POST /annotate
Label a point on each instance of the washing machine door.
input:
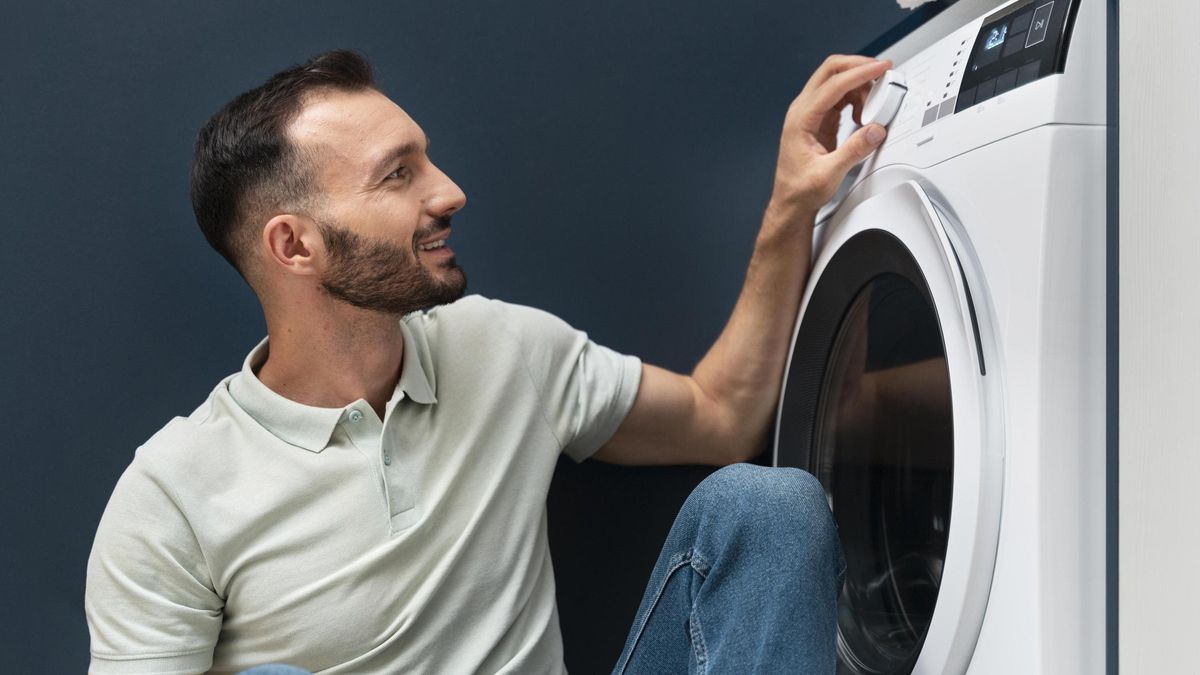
(888, 401)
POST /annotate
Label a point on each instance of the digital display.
(996, 37)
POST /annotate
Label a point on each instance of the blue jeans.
(747, 581)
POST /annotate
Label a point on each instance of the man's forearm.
(743, 369)
(742, 372)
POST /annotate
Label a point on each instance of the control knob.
(885, 98)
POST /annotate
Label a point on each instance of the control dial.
(885, 98)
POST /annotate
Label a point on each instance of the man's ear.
(293, 243)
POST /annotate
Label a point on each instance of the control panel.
(1021, 43)
(964, 77)
(1016, 45)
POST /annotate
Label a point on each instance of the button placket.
(390, 411)
(400, 491)
(365, 435)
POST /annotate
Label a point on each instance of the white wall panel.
(1159, 326)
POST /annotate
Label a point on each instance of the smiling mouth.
(432, 239)
(437, 249)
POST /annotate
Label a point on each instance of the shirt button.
(355, 416)
(387, 459)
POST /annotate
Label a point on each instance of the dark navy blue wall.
(616, 157)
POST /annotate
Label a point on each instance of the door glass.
(884, 450)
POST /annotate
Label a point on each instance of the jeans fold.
(747, 580)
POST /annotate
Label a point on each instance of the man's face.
(385, 208)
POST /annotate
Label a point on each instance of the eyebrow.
(397, 153)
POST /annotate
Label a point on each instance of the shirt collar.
(310, 427)
(417, 376)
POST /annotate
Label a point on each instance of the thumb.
(856, 148)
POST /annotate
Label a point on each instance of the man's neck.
(334, 358)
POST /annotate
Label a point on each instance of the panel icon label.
(1041, 24)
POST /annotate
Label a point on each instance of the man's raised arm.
(721, 413)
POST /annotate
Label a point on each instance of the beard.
(388, 278)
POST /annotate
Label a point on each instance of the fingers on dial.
(835, 64)
(827, 97)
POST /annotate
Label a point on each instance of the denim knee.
(764, 490)
(788, 503)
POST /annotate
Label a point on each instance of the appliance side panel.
(1072, 461)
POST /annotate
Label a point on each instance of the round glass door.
(868, 411)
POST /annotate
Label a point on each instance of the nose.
(446, 197)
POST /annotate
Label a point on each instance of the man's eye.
(400, 172)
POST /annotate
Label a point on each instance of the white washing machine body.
(989, 212)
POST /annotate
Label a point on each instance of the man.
(368, 493)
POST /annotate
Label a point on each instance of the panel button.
(1006, 82)
(947, 107)
(987, 89)
(1041, 24)
(966, 99)
(1015, 44)
(1029, 72)
(987, 57)
(1021, 23)
(931, 114)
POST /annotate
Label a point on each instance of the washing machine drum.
(888, 402)
(868, 411)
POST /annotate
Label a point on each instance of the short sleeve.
(586, 389)
(150, 604)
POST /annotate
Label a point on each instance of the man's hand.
(811, 166)
(722, 411)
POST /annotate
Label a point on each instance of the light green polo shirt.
(261, 530)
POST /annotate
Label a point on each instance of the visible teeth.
(430, 247)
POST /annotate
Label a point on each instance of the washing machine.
(946, 379)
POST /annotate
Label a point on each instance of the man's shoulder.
(184, 441)
(473, 307)
(484, 317)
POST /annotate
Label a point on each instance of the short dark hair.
(243, 162)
